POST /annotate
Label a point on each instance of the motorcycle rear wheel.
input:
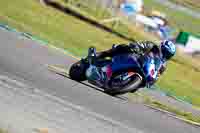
(77, 71)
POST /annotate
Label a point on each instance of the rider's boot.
(100, 75)
(93, 72)
(92, 55)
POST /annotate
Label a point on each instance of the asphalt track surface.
(27, 60)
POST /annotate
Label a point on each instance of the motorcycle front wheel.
(132, 86)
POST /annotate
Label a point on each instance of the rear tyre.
(77, 72)
(132, 86)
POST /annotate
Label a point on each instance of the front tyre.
(132, 86)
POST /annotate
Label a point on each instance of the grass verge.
(182, 76)
(64, 31)
(156, 104)
(3, 131)
(182, 79)
(179, 113)
(76, 36)
(97, 13)
(192, 4)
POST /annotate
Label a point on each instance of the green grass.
(181, 79)
(88, 6)
(145, 99)
(192, 4)
(179, 113)
(179, 20)
(76, 36)
(3, 131)
(63, 30)
(95, 12)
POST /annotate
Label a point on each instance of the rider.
(161, 55)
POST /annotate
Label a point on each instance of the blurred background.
(177, 20)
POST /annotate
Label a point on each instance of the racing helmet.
(168, 49)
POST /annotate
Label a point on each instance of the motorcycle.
(135, 76)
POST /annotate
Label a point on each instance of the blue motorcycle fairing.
(147, 68)
(150, 68)
(124, 62)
